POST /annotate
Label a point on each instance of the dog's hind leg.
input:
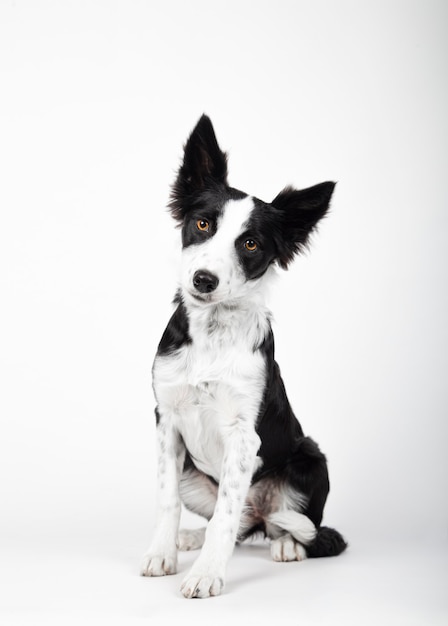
(191, 538)
(286, 548)
(289, 545)
(307, 477)
(296, 524)
(198, 493)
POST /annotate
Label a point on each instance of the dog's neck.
(238, 320)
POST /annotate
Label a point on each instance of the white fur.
(191, 539)
(297, 524)
(285, 548)
(211, 383)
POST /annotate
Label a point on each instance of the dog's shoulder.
(177, 332)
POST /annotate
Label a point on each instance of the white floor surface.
(71, 582)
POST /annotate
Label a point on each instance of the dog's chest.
(208, 387)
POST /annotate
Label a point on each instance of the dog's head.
(229, 238)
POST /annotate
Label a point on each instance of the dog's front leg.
(161, 558)
(206, 577)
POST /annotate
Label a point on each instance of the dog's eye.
(250, 245)
(203, 225)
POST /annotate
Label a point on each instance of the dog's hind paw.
(189, 539)
(157, 565)
(202, 586)
(285, 549)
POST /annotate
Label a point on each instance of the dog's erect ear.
(204, 164)
(300, 213)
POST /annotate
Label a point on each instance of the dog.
(229, 445)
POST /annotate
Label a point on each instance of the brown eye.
(203, 225)
(250, 245)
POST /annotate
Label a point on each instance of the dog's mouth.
(210, 299)
(203, 298)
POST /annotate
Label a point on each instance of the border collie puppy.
(229, 445)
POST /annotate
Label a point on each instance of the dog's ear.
(300, 212)
(204, 164)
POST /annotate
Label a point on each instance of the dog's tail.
(318, 542)
(328, 542)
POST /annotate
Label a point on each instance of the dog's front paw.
(202, 585)
(158, 565)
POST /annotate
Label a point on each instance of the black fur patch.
(176, 333)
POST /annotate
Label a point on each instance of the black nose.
(205, 282)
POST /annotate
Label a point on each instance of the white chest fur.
(215, 383)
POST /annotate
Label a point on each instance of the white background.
(96, 101)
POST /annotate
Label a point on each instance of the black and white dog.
(230, 447)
